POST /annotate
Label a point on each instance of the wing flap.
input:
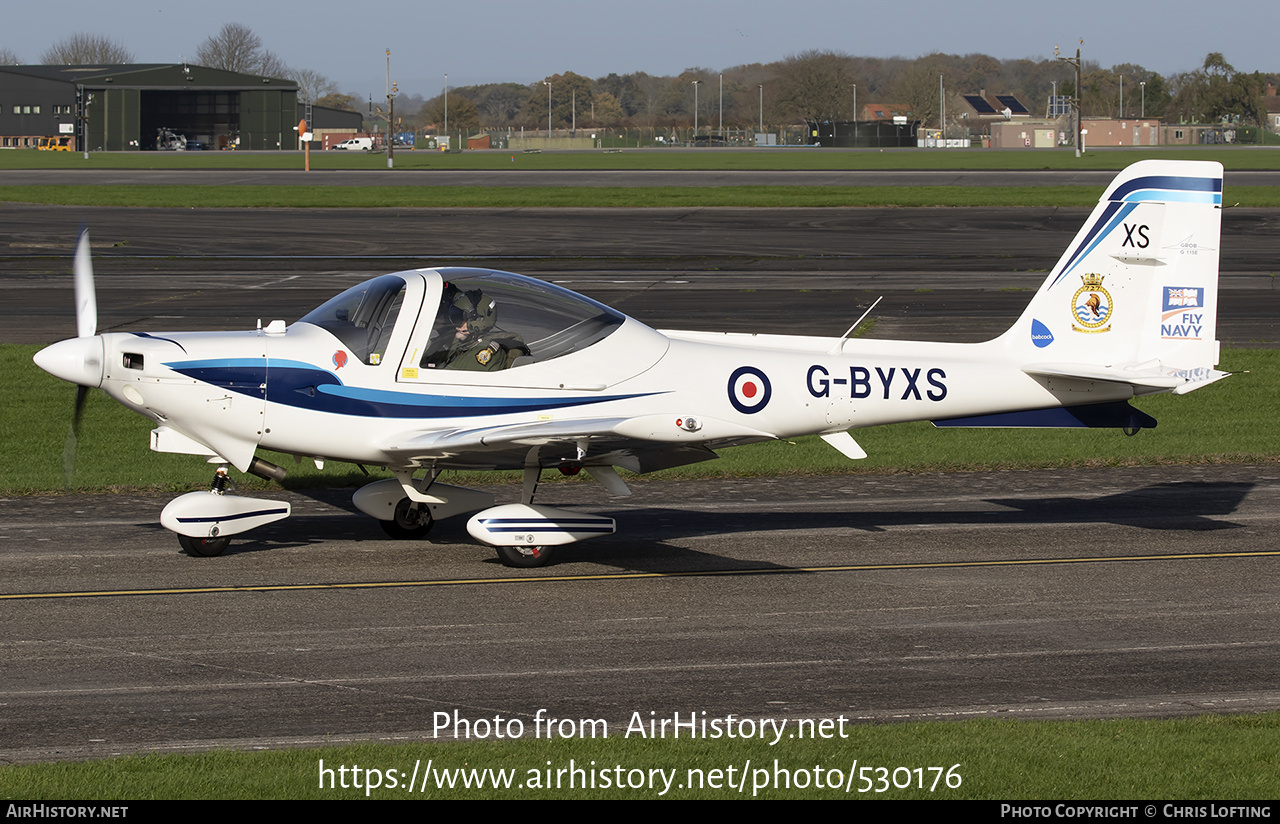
(655, 441)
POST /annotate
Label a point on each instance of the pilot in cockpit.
(466, 336)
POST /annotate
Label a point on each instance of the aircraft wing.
(642, 444)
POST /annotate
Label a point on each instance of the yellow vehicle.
(61, 143)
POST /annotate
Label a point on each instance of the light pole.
(1075, 100)
(762, 109)
(391, 119)
(720, 127)
(855, 115)
(446, 105)
(942, 118)
(1143, 85)
(1122, 97)
(696, 83)
(391, 112)
(548, 84)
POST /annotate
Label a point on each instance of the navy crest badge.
(1091, 305)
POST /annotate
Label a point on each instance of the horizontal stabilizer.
(1142, 380)
(1117, 415)
(1203, 378)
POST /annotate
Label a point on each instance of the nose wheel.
(409, 521)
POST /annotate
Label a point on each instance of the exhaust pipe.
(267, 470)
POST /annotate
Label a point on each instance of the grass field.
(1213, 757)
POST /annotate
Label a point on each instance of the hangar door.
(205, 116)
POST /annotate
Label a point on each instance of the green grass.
(509, 197)
(1212, 757)
(781, 159)
(1229, 422)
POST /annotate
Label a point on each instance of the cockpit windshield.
(490, 320)
(363, 316)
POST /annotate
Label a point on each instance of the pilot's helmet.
(474, 308)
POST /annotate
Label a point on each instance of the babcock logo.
(1040, 334)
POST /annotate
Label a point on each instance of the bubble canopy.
(549, 320)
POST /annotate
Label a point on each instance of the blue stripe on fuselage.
(301, 385)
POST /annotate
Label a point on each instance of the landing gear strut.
(210, 547)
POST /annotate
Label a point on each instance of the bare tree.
(83, 49)
(312, 85)
(8, 57)
(916, 86)
(270, 65)
(235, 48)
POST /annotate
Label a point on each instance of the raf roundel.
(749, 390)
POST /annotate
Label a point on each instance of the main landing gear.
(524, 557)
(409, 522)
(525, 534)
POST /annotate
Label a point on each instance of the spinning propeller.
(78, 360)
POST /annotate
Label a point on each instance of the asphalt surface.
(945, 274)
(1081, 594)
(1055, 594)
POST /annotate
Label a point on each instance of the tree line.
(820, 86)
(812, 86)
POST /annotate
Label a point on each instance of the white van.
(355, 144)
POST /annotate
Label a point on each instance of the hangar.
(128, 107)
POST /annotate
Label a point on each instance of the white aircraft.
(434, 369)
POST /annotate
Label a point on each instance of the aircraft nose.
(76, 360)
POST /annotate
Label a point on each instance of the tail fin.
(1135, 297)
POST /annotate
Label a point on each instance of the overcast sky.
(525, 41)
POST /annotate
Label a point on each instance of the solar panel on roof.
(1011, 103)
(979, 105)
